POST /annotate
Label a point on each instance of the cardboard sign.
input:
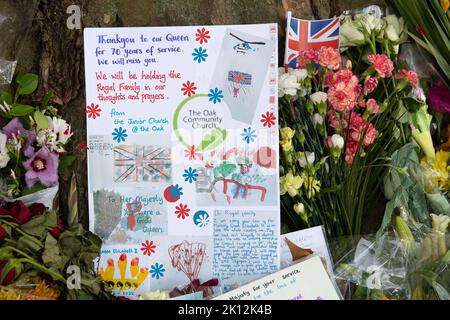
(305, 280)
(182, 129)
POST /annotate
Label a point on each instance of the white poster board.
(182, 131)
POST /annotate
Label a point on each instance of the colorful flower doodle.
(188, 88)
(201, 219)
(202, 35)
(157, 270)
(248, 135)
(190, 175)
(119, 134)
(215, 95)
(182, 211)
(93, 111)
(148, 247)
(199, 55)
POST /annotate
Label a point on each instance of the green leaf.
(41, 120)
(46, 99)
(38, 225)
(27, 83)
(5, 96)
(29, 243)
(37, 187)
(52, 255)
(20, 110)
(65, 162)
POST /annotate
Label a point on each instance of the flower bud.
(9, 271)
(299, 208)
(309, 106)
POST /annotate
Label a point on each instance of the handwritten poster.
(182, 129)
(305, 280)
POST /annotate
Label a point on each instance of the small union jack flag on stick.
(306, 34)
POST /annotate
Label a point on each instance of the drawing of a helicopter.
(244, 46)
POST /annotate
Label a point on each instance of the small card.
(305, 280)
(312, 238)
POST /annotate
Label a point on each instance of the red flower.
(268, 119)
(202, 35)
(148, 247)
(56, 230)
(9, 270)
(182, 211)
(409, 75)
(17, 210)
(188, 88)
(37, 208)
(192, 153)
(82, 146)
(93, 111)
(420, 29)
(381, 64)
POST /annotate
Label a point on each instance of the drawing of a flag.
(306, 34)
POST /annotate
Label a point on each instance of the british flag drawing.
(305, 34)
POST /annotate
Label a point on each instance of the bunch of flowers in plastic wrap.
(407, 261)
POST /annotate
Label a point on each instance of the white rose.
(301, 74)
(337, 141)
(287, 84)
(397, 23)
(317, 119)
(318, 97)
(306, 158)
(369, 22)
(350, 34)
(4, 156)
(391, 33)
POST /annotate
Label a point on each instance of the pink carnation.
(371, 135)
(306, 56)
(372, 106)
(329, 57)
(350, 151)
(343, 96)
(370, 83)
(409, 75)
(382, 64)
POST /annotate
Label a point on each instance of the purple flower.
(439, 98)
(43, 167)
(15, 127)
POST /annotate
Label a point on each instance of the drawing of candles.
(134, 269)
(122, 264)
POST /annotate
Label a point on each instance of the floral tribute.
(342, 115)
(33, 142)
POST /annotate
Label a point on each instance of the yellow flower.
(299, 208)
(311, 186)
(436, 172)
(445, 4)
(287, 133)
(290, 184)
(286, 145)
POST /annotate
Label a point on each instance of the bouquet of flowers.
(41, 258)
(341, 118)
(407, 261)
(33, 143)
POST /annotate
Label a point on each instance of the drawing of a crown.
(130, 278)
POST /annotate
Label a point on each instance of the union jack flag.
(306, 34)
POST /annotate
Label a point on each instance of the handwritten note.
(246, 245)
(182, 125)
(305, 280)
